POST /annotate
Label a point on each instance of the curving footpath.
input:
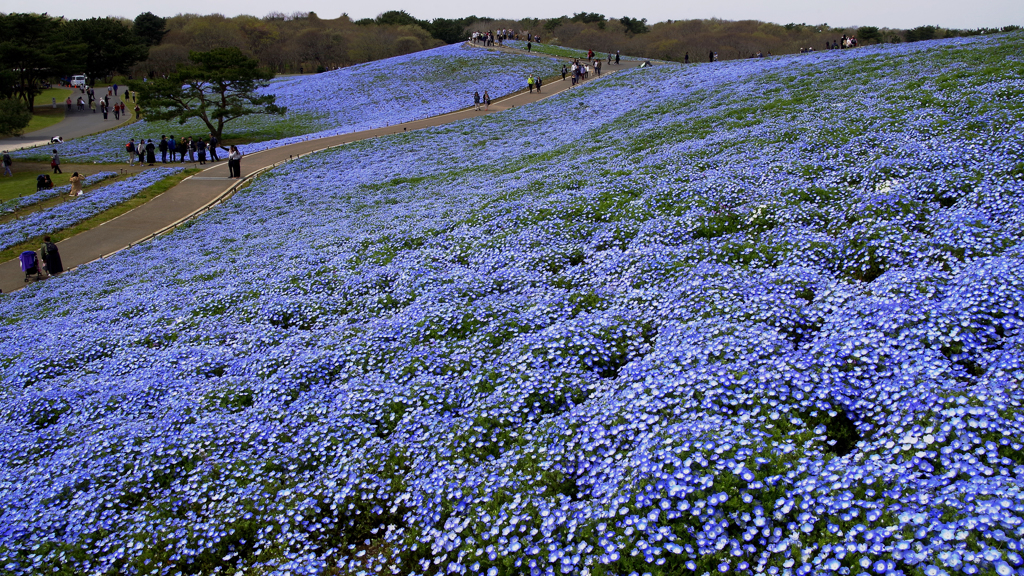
(200, 192)
(74, 125)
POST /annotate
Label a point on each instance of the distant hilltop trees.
(154, 46)
(304, 41)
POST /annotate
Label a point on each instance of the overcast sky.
(882, 13)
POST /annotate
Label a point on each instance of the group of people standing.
(196, 149)
(477, 100)
(104, 104)
(491, 37)
(145, 150)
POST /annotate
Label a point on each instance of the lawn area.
(44, 118)
(23, 182)
(44, 97)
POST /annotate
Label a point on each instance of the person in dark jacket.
(51, 257)
(150, 152)
(163, 148)
(213, 147)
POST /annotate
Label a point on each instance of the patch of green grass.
(23, 182)
(44, 98)
(145, 196)
(63, 178)
(44, 118)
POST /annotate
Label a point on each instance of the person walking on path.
(564, 72)
(539, 82)
(51, 257)
(104, 109)
(7, 164)
(150, 152)
(76, 185)
(213, 147)
(55, 162)
(487, 100)
(130, 149)
(235, 163)
(201, 149)
(163, 148)
(616, 57)
(476, 101)
(529, 82)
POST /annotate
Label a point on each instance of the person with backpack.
(51, 257)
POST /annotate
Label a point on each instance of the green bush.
(14, 117)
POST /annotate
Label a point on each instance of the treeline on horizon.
(303, 42)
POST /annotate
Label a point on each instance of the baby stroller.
(30, 265)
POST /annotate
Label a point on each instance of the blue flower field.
(762, 316)
(360, 97)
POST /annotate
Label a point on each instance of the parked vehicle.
(78, 81)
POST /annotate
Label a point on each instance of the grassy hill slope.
(360, 97)
(758, 316)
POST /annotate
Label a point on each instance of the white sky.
(882, 13)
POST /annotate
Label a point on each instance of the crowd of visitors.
(104, 105)
(498, 37)
(170, 148)
(188, 149)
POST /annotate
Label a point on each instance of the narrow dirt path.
(198, 193)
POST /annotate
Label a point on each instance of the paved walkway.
(74, 125)
(195, 194)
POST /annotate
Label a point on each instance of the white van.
(78, 81)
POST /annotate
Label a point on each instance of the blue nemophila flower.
(783, 341)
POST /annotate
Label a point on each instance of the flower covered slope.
(89, 204)
(759, 316)
(361, 97)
